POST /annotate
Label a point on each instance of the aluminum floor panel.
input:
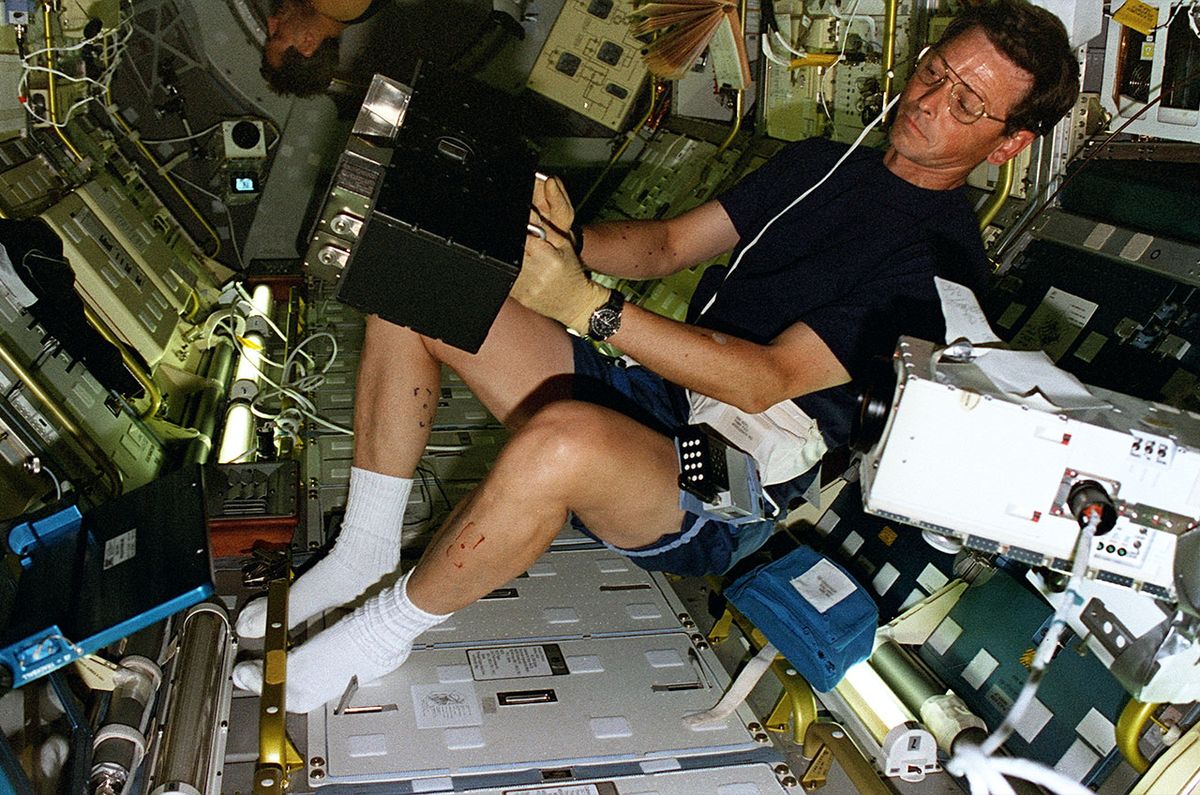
(568, 594)
(506, 710)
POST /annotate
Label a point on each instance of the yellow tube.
(52, 89)
(629, 136)
(889, 47)
(739, 100)
(1176, 771)
(821, 59)
(1004, 183)
(1130, 725)
(738, 104)
(131, 364)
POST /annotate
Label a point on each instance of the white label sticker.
(1098, 731)
(1036, 716)
(1099, 236)
(931, 578)
(979, 669)
(120, 549)
(444, 705)
(1078, 761)
(1055, 324)
(944, 636)
(511, 663)
(824, 585)
(885, 579)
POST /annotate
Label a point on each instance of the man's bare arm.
(653, 249)
(750, 376)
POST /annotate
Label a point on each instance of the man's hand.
(553, 206)
(552, 282)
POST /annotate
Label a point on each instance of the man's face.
(291, 25)
(932, 147)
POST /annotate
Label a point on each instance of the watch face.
(605, 322)
(606, 319)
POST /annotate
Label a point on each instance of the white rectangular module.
(963, 458)
(572, 593)
(505, 711)
(748, 779)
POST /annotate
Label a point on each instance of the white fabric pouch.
(783, 440)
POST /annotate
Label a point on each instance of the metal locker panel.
(567, 594)
(501, 710)
(745, 779)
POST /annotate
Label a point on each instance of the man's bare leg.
(395, 402)
(616, 474)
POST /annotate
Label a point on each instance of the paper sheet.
(1030, 375)
(964, 319)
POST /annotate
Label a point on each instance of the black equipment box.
(443, 243)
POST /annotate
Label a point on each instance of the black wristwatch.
(606, 319)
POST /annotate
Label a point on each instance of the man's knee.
(560, 444)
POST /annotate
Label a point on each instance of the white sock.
(372, 641)
(367, 548)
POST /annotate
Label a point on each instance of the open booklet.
(685, 28)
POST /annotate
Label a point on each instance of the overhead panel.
(590, 62)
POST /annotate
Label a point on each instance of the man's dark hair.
(1035, 40)
(302, 76)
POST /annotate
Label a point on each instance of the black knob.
(875, 394)
(245, 134)
(1086, 500)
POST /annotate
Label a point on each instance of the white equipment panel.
(1004, 467)
(568, 594)
(509, 710)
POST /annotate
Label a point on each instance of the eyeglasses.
(965, 105)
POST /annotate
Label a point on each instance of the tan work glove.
(552, 281)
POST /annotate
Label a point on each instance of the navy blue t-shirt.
(854, 260)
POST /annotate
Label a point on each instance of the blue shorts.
(700, 546)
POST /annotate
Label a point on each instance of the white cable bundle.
(983, 770)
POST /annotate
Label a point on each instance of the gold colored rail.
(52, 88)
(1130, 725)
(860, 771)
(68, 425)
(889, 47)
(656, 88)
(270, 774)
(131, 364)
(1004, 183)
(797, 700)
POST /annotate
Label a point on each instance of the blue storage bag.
(812, 611)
